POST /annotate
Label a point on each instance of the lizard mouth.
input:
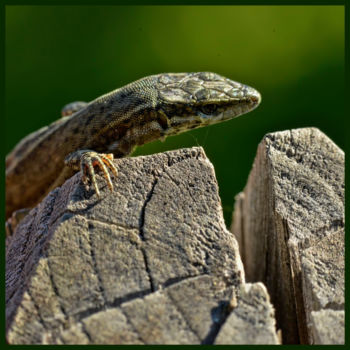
(243, 107)
(183, 123)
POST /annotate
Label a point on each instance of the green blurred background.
(294, 55)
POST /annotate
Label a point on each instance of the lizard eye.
(209, 108)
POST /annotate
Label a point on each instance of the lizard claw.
(92, 159)
(88, 161)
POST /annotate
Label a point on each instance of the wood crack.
(85, 331)
(94, 266)
(142, 234)
(117, 302)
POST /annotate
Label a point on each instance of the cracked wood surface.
(289, 222)
(151, 263)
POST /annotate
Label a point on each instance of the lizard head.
(191, 100)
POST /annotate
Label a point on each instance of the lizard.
(146, 110)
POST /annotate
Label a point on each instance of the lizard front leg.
(86, 161)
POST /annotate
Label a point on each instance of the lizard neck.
(119, 121)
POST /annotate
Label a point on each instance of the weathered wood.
(289, 222)
(151, 263)
(250, 319)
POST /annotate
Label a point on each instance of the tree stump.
(150, 263)
(289, 222)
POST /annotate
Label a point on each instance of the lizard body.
(143, 111)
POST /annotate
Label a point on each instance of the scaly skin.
(146, 110)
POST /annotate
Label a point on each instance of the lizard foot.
(88, 160)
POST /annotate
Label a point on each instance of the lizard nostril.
(255, 98)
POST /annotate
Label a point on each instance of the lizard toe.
(89, 161)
